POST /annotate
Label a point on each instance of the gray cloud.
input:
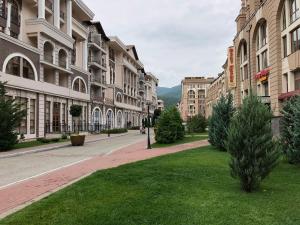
(174, 38)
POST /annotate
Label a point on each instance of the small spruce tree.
(11, 115)
(169, 127)
(220, 121)
(254, 154)
(290, 123)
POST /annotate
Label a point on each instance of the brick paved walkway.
(21, 194)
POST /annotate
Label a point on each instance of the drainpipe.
(249, 55)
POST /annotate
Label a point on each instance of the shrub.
(64, 137)
(115, 131)
(135, 128)
(290, 131)
(44, 140)
(169, 127)
(220, 121)
(76, 110)
(197, 124)
(11, 115)
(55, 140)
(254, 154)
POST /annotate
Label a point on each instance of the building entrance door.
(56, 117)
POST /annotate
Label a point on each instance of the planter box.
(78, 140)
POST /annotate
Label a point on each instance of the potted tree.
(76, 138)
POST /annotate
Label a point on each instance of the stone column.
(8, 21)
(41, 9)
(56, 13)
(69, 17)
(85, 55)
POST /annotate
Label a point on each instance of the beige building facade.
(194, 92)
(267, 50)
(53, 56)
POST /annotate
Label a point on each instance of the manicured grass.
(187, 139)
(30, 144)
(190, 188)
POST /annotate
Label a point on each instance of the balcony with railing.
(96, 98)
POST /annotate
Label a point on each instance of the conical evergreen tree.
(220, 121)
(254, 154)
(290, 130)
(11, 116)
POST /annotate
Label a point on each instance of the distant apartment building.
(194, 91)
(54, 56)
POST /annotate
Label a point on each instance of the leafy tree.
(220, 121)
(169, 127)
(76, 110)
(290, 131)
(197, 124)
(254, 154)
(11, 115)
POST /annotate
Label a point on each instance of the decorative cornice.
(86, 9)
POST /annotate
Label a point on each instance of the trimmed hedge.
(115, 131)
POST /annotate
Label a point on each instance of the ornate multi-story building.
(267, 52)
(53, 56)
(194, 92)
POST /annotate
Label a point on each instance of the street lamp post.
(148, 123)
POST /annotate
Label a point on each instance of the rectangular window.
(297, 80)
(285, 83)
(263, 34)
(266, 89)
(32, 116)
(23, 124)
(258, 64)
(295, 35)
(294, 10)
(47, 113)
(242, 74)
(246, 72)
(284, 44)
(258, 90)
(284, 18)
(264, 56)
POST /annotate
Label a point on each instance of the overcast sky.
(174, 38)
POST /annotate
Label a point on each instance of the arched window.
(243, 54)
(261, 47)
(119, 97)
(62, 58)
(20, 67)
(261, 36)
(48, 52)
(110, 119)
(79, 85)
(119, 119)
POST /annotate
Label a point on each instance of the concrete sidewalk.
(49, 147)
(19, 195)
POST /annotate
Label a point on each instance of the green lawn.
(187, 139)
(188, 188)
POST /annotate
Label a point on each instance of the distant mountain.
(171, 96)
